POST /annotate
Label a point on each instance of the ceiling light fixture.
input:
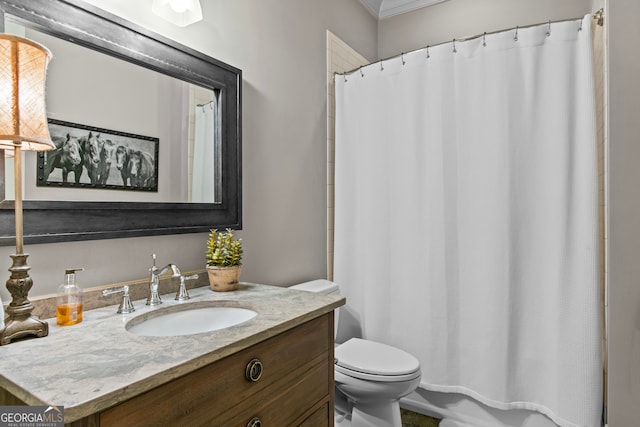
(178, 12)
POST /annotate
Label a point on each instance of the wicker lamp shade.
(23, 118)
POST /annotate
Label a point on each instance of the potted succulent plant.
(224, 260)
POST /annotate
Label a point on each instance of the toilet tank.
(319, 286)
(323, 286)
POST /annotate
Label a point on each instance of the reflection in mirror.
(98, 91)
(119, 81)
(204, 161)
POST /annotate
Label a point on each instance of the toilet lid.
(374, 358)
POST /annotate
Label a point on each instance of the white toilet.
(370, 377)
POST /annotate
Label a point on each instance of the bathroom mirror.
(198, 83)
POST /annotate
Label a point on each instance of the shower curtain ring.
(345, 77)
(580, 25)
(549, 29)
(402, 57)
(484, 39)
(515, 38)
(361, 73)
(428, 55)
(381, 66)
(454, 46)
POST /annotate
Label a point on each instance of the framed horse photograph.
(91, 157)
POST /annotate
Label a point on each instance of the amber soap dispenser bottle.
(69, 300)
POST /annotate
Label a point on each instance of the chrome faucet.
(154, 280)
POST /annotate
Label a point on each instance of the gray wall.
(624, 213)
(280, 46)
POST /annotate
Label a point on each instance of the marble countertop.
(96, 364)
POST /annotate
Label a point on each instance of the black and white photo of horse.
(90, 157)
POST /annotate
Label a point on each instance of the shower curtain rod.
(205, 104)
(598, 15)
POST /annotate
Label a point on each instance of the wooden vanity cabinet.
(292, 386)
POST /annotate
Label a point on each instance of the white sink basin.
(187, 320)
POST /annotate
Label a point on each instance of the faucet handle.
(153, 267)
(125, 306)
(182, 294)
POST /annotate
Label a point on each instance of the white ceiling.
(386, 8)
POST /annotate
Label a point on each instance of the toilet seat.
(373, 361)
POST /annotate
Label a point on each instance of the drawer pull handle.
(255, 422)
(253, 372)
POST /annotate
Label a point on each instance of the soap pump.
(69, 300)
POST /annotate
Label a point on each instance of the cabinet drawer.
(201, 397)
(319, 418)
(280, 405)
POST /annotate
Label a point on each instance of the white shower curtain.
(203, 154)
(466, 216)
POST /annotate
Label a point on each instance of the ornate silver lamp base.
(20, 323)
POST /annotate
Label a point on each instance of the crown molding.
(373, 6)
(386, 8)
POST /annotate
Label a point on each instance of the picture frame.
(91, 157)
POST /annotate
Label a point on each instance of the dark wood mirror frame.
(59, 221)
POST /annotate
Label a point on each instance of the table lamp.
(23, 126)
